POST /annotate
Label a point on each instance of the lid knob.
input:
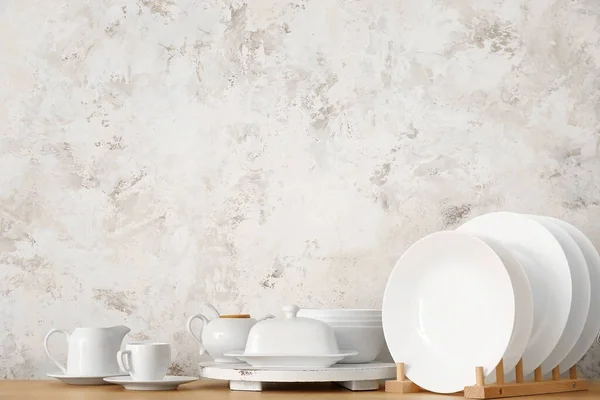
(290, 311)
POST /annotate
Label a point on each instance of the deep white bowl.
(347, 318)
(339, 312)
(367, 340)
(352, 323)
(344, 320)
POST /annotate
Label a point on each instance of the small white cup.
(145, 361)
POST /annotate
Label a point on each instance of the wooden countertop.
(217, 390)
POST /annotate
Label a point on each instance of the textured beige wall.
(157, 154)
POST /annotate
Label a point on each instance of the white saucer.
(82, 380)
(167, 383)
(290, 361)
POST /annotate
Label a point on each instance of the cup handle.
(53, 331)
(123, 358)
(198, 337)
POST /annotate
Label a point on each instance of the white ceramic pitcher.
(92, 351)
(222, 334)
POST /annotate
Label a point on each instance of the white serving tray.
(356, 377)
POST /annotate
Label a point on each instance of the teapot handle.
(198, 337)
(52, 331)
(215, 313)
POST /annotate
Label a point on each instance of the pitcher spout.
(120, 331)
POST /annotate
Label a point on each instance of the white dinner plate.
(448, 307)
(288, 361)
(592, 323)
(546, 267)
(169, 382)
(580, 303)
(523, 309)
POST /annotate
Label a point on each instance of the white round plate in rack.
(547, 268)
(523, 310)
(290, 361)
(592, 323)
(580, 303)
(352, 376)
(448, 307)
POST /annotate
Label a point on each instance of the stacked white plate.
(503, 286)
(358, 329)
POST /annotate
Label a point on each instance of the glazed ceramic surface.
(592, 323)
(167, 383)
(448, 306)
(523, 308)
(221, 335)
(547, 268)
(146, 361)
(91, 351)
(580, 304)
(291, 335)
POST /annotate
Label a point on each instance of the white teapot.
(222, 334)
(92, 351)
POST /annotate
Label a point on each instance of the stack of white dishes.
(359, 329)
(503, 286)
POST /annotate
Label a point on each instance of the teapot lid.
(235, 316)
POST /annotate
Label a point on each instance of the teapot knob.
(290, 311)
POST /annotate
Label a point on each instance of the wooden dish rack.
(500, 388)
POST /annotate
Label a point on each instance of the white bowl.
(367, 340)
(348, 318)
(340, 312)
(353, 323)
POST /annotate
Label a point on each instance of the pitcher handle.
(53, 331)
(198, 337)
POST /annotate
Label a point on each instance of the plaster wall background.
(155, 154)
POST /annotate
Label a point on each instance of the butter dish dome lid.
(291, 335)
